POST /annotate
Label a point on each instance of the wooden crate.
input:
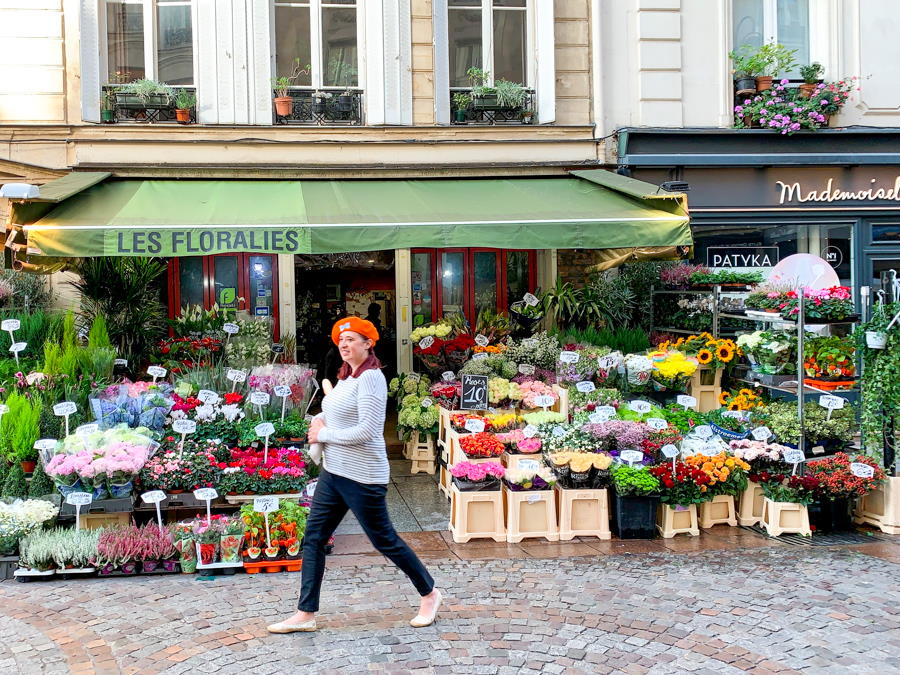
(476, 515)
(421, 453)
(582, 513)
(881, 507)
(670, 521)
(707, 395)
(530, 514)
(94, 521)
(719, 511)
(750, 510)
(785, 518)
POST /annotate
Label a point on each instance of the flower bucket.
(148, 566)
(66, 490)
(106, 570)
(119, 491)
(830, 515)
(170, 565)
(876, 339)
(129, 568)
(100, 493)
(476, 486)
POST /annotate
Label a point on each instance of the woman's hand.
(314, 428)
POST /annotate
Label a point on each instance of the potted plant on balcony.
(284, 104)
(345, 100)
(526, 115)
(461, 102)
(504, 94)
(812, 75)
(185, 100)
(319, 102)
(743, 67)
(108, 106)
(763, 63)
(144, 94)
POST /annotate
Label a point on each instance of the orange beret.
(355, 324)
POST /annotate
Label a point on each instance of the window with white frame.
(488, 34)
(786, 22)
(323, 35)
(150, 39)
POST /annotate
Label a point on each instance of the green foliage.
(812, 73)
(625, 340)
(15, 484)
(633, 481)
(725, 277)
(185, 99)
(19, 427)
(30, 292)
(40, 483)
(509, 94)
(292, 426)
(98, 335)
(145, 88)
(767, 60)
(34, 329)
(125, 292)
(880, 400)
(605, 301)
(640, 277)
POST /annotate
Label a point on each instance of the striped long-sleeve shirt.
(353, 435)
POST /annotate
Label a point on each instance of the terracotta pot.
(807, 89)
(175, 492)
(763, 83)
(183, 115)
(284, 105)
(28, 466)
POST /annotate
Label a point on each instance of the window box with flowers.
(785, 110)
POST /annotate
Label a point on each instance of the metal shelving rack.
(716, 292)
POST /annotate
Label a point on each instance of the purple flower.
(795, 126)
(824, 101)
(785, 81)
(738, 109)
(747, 102)
(796, 110)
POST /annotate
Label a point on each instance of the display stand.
(881, 507)
(476, 515)
(706, 386)
(582, 513)
(530, 514)
(785, 518)
(671, 521)
(719, 511)
(421, 453)
(751, 507)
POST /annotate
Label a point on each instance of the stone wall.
(573, 61)
(572, 263)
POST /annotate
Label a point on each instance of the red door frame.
(243, 289)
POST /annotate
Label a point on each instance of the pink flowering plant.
(532, 389)
(826, 304)
(477, 476)
(783, 109)
(529, 446)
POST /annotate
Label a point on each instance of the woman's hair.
(371, 363)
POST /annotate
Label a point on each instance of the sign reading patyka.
(742, 256)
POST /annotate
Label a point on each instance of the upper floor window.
(490, 35)
(785, 22)
(150, 39)
(322, 34)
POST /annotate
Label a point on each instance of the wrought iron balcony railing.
(309, 106)
(487, 110)
(120, 106)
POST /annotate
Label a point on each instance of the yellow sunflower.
(746, 392)
(734, 405)
(704, 356)
(723, 397)
(725, 353)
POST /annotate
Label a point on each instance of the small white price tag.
(761, 433)
(793, 456)
(703, 431)
(543, 401)
(121, 362)
(559, 431)
(669, 451)
(606, 362)
(585, 387)
(426, 342)
(687, 451)
(861, 470)
(17, 347)
(65, 408)
(205, 494)
(156, 371)
(265, 504)
(235, 375)
(830, 402)
(474, 426)
(79, 498)
(530, 299)
(533, 499)
(231, 328)
(569, 357)
(526, 369)
(184, 426)
(45, 444)
(87, 429)
(607, 410)
(265, 429)
(10, 324)
(479, 356)
(657, 423)
(260, 398)
(599, 417)
(631, 456)
(448, 376)
(208, 396)
(415, 377)
(529, 343)
(529, 465)
(153, 497)
(282, 390)
(530, 431)
(640, 407)
(734, 414)
(427, 402)
(686, 401)
(481, 340)
(3, 408)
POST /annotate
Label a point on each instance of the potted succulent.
(635, 502)
(185, 100)
(461, 102)
(812, 75)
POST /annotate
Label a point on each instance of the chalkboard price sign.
(474, 395)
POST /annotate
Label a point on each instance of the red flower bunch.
(185, 404)
(460, 343)
(481, 445)
(686, 485)
(657, 439)
(232, 398)
(458, 421)
(433, 350)
(837, 480)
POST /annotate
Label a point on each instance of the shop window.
(886, 233)
(787, 22)
(468, 281)
(150, 39)
(488, 34)
(238, 281)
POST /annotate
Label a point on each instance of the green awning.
(197, 217)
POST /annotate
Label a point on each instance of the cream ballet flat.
(282, 627)
(421, 621)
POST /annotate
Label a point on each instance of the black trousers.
(334, 496)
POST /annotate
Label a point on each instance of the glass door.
(453, 283)
(485, 273)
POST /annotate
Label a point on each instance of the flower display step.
(672, 520)
(271, 567)
(750, 510)
(719, 511)
(582, 513)
(785, 518)
(530, 514)
(421, 453)
(242, 499)
(881, 507)
(476, 515)
(514, 461)
(706, 387)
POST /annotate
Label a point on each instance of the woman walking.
(354, 476)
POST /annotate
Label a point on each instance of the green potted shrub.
(461, 102)
(527, 116)
(635, 502)
(812, 75)
(108, 106)
(742, 69)
(763, 63)
(144, 93)
(185, 100)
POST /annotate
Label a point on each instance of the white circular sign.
(526, 369)
(543, 401)
(79, 498)
(156, 371)
(230, 328)
(669, 451)
(640, 407)
(530, 431)
(153, 497)
(205, 494)
(10, 324)
(235, 375)
(481, 340)
(631, 456)
(686, 401)
(761, 433)
(426, 342)
(184, 426)
(703, 431)
(569, 357)
(208, 396)
(585, 387)
(530, 299)
(475, 426)
(448, 376)
(17, 347)
(861, 470)
(657, 423)
(266, 504)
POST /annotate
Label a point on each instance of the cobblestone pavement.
(631, 607)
